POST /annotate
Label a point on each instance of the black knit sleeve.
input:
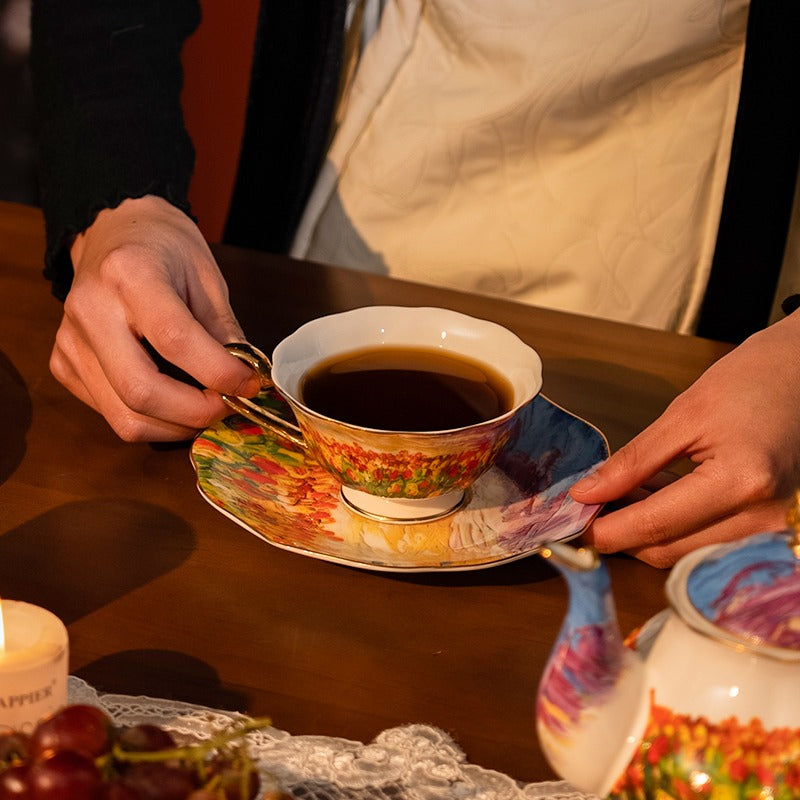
(107, 79)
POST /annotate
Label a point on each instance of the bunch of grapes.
(78, 753)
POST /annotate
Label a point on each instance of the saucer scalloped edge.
(275, 490)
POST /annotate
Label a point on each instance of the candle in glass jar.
(34, 662)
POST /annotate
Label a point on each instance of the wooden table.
(165, 596)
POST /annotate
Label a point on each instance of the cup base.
(402, 510)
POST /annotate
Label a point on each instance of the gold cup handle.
(261, 365)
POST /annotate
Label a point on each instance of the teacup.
(386, 472)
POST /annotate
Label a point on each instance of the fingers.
(136, 298)
(190, 332)
(737, 422)
(658, 481)
(633, 465)
(174, 332)
(768, 516)
(128, 425)
(707, 505)
(731, 493)
(144, 274)
(185, 410)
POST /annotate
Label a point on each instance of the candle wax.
(33, 665)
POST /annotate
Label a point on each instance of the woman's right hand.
(143, 271)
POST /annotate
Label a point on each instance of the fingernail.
(251, 387)
(585, 484)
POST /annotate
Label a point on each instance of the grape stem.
(193, 752)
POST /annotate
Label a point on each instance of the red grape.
(144, 738)
(80, 728)
(155, 780)
(14, 783)
(117, 790)
(77, 753)
(65, 775)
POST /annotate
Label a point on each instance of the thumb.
(631, 466)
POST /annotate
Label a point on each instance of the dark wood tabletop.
(165, 596)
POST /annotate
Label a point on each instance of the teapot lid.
(747, 592)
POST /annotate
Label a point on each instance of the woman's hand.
(144, 272)
(740, 423)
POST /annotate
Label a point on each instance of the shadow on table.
(162, 674)
(78, 557)
(530, 569)
(16, 411)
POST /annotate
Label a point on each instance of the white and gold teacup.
(396, 475)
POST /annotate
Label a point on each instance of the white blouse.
(564, 153)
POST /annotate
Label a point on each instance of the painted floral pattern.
(404, 474)
(573, 680)
(274, 489)
(691, 758)
(587, 662)
(269, 480)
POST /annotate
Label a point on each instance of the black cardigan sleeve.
(107, 78)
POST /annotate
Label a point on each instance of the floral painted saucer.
(275, 490)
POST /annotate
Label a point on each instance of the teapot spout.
(592, 701)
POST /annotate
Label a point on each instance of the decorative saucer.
(275, 490)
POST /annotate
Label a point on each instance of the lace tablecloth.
(411, 762)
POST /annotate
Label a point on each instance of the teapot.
(703, 701)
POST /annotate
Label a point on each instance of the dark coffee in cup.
(406, 389)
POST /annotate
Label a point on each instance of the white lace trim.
(412, 762)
